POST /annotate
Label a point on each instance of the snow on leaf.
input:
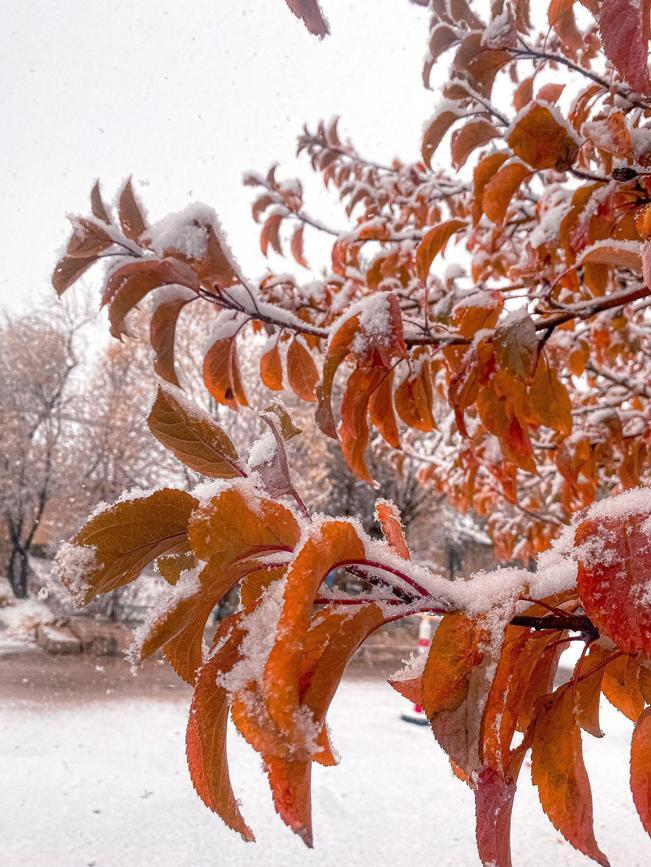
(192, 435)
(125, 538)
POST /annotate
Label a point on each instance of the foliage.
(523, 370)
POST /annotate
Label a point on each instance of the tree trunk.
(17, 572)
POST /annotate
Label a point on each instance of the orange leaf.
(484, 172)
(389, 519)
(382, 411)
(558, 771)
(238, 523)
(328, 545)
(539, 139)
(206, 732)
(471, 136)
(641, 768)
(621, 686)
(271, 369)
(339, 347)
(113, 548)
(614, 564)
(302, 372)
(433, 242)
(437, 128)
(353, 429)
(414, 397)
(548, 401)
(501, 188)
(297, 247)
(191, 434)
(221, 373)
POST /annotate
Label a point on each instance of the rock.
(57, 638)
(100, 637)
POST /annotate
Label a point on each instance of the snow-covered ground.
(105, 785)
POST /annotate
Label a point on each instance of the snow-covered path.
(105, 785)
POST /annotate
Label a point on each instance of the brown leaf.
(162, 331)
(192, 435)
(97, 206)
(624, 29)
(68, 270)
(88, 239)
(311, 15)
(516, 345)
(437, 128)
(130, 213)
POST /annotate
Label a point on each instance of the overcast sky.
(186, 96)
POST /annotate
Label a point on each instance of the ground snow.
(105, 784)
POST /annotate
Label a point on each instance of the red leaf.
(302, 373)
(613, 579)
(641, 768)
(624, 33)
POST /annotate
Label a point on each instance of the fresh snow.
(106, 784)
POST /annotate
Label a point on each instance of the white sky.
(186, 96)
